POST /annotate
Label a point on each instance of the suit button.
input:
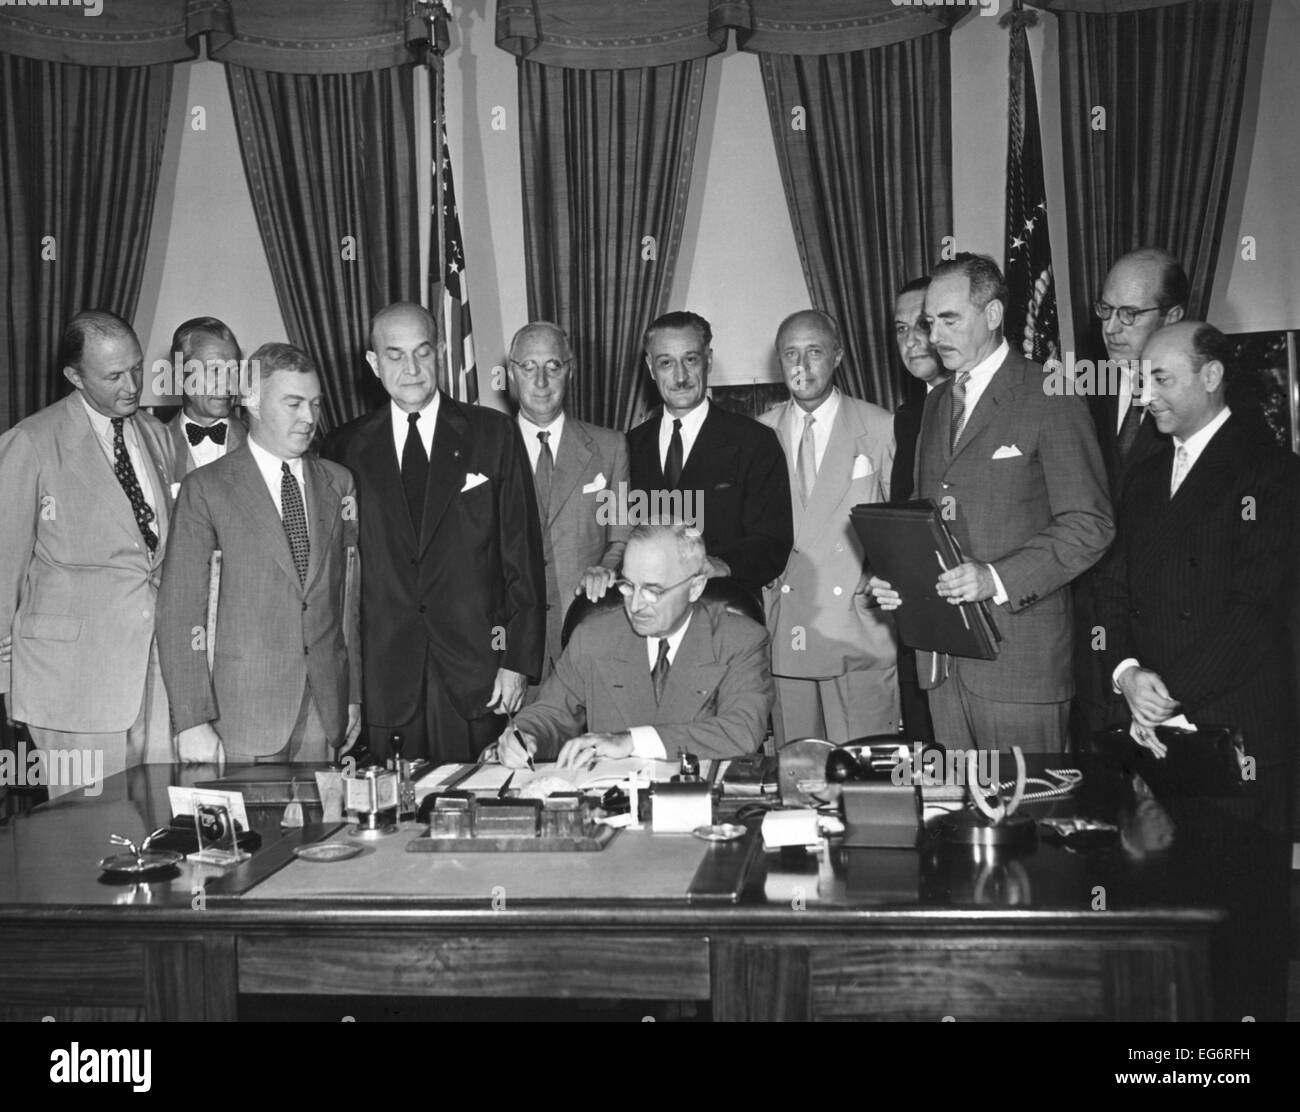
(144, 613)
(1135, 613)
(839, 548)
(837, 591)
(306, 651)
(415, 563)
(304, 606)
(785, 588)
(946, 485)
(1185, 616)
(423, 608)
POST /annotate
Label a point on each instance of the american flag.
(1031, 322)
(450, 292)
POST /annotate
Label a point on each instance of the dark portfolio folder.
(909, 546)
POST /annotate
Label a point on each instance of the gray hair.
(688, 539)
(545, 327)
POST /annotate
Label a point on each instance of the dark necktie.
(542, 475)
(197, 433)
(673, 461)
(131, 485)
(958, 408)
(295, 521)
(415, 470)
(1129, 429)
(659, 673)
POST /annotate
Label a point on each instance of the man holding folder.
(1018, 479)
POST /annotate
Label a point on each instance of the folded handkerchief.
(598, 483)
(861, 467)
(1006, 452)
(472, 480)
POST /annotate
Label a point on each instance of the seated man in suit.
(573, 465)
(731, 467)
(285, 679)
(663, 673)
(205, 429)
(833, 650)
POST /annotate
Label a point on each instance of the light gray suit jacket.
(715, 704)
(820, 625)
(78, 587)
(1026, 492)
(182, 461)
(273, 634)
(591, 460)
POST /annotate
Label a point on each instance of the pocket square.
(1007, 453)
(472, 480)
(598, 483)
(861, 467)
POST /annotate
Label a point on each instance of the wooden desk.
(895, 935)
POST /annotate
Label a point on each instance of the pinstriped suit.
(1041, 516)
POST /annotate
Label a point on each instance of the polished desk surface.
(49, 856)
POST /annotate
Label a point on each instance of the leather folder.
(909, 546)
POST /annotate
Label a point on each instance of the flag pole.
(435, 17)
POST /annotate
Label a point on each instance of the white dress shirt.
(690, 430)
(534, 446)
(823, 422)
(206, 450)
(1126, 396)
(103, 429)
(1194, 445)
(645, 739)
(426, 424)
(269, 466)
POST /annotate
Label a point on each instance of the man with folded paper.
(667, 671)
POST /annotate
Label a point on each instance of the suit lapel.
(448, 467)
(625, 675)
(709, 446)
(784, 416)
(378, 458)
(833, 475)
(570, 465)
(1002, 383)
(155, 450)
(180, 447)
(254, 500)
(696, 671)
(646, 452)
(92, 467)
(323, 501)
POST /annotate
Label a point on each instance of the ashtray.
(139, 866)
(720, 832)
(328, 851)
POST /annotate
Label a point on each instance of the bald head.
(1188, 368)
(100, 356)
(1149, 282)
(808, 345)
(403, 353)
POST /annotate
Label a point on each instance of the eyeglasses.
(652, 595)
(551, 367)
(1127, 313)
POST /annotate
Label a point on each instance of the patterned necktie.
(673, 462)
(415, 470)
(197, 433)
(659, 673)
(295, 521)
(542, 475)
(1128, 430)
(1181, 468)
(131, 485)
(807, 464)
(958, 408)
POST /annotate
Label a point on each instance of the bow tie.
(196, 433)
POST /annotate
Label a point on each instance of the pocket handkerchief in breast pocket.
(861, 467)
(472, 480)
(598, 483)
(1006, 452)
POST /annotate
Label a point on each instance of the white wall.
(738, 265)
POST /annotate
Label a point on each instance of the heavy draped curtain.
(330, 163)
(610, 100)
(1171, 78)
(863, 142)
(80, 153)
